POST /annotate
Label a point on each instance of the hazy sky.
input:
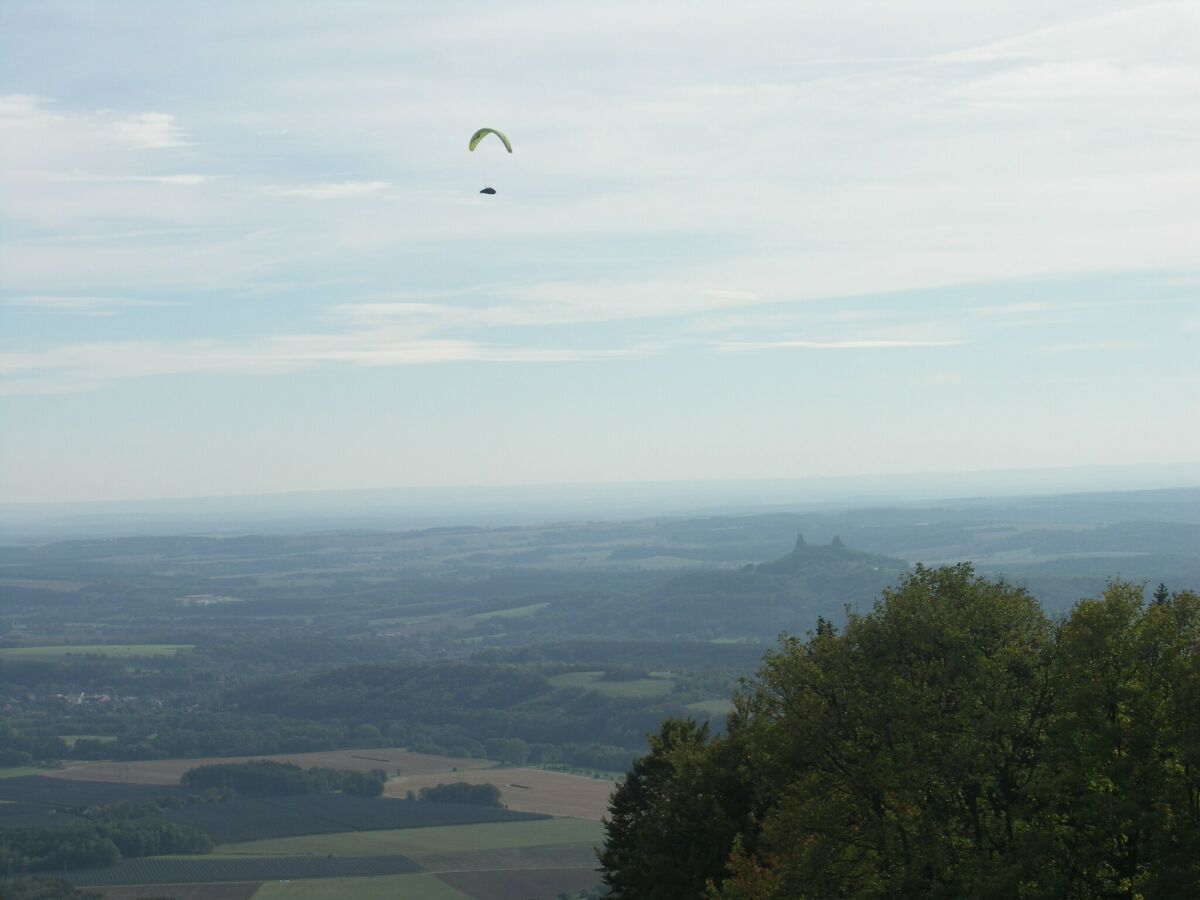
(243, 248)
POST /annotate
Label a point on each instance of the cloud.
(731, 295)
(186, 179)
(331, 191)
(85, 366)
(748, 346)
(148, 131)
(81, 305)
(1161, 31)
(1104, 346)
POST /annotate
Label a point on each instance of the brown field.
(169, 771)
(546, 856)
(543, 884)
(525, 790)
(241, 891)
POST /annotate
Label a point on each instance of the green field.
(515, 613)
(639, 687)
(386, 887)
(492, 836)
(114, 650)
(19, 771)
(712, 707)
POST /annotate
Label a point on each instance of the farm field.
(21, 771)
(252, 819)
(54, 792)
(120, 651)
(581, 855)
(393, 887)
(169, 771)
(592, 681)
(237, 891)
(404, 841)
(521, 884)
(526, 790)
(196, 870)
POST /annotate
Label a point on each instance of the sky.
(242, 248)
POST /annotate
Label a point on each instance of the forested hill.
(786, 594)
(812, 562)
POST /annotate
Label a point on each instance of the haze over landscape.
(778, 477)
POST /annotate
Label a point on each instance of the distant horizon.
(1190, 468)
(403, 508)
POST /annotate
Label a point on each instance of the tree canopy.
(954, 742)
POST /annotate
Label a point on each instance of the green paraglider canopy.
(484, 132)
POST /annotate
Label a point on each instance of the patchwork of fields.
(326, 846)
(494, 861)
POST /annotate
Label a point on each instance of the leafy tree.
(463, 792)
(1122, 768)
(673, 820)
(900, 749)
(955, 742)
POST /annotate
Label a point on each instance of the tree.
(1122, 768)
(954, 742)
(486, 794)
(673, 820)
(900, 749)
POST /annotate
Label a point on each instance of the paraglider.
(484, 132)
(479, 136)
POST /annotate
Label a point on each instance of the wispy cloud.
(149, 131)
(331, 191)
(82, 305)
(748, 346)
(1106, 346)
(184, 179)
(85, 366)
